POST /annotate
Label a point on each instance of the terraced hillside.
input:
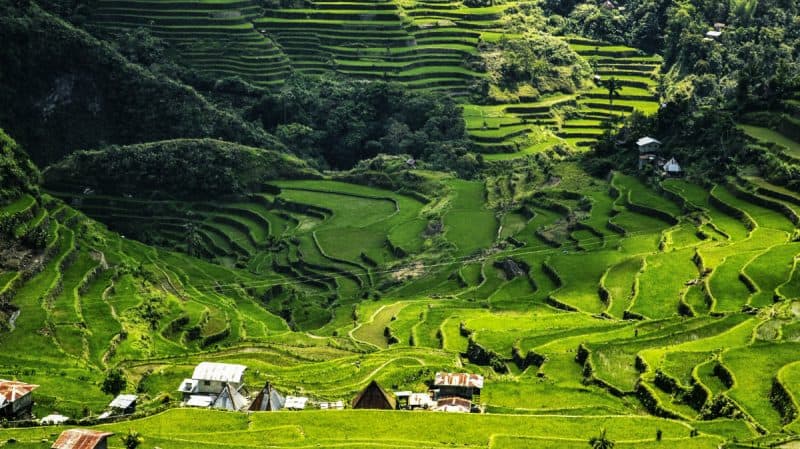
(512, 130)
(430, 46)
(424, 46)
(215, 37)
(585, 302)
(574, 296)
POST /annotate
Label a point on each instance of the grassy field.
(357, 429)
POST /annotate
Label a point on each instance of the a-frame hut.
(230, 399)
(374, 397)
(268, 400)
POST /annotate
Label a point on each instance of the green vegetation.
(177, 169)
(334, 193)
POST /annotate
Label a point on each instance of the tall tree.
(613, 86)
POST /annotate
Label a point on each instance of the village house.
(462, 385)
(209, 381)
(124, 404)
(648, 151)
(16, 399)
(374, 397)
(82, 439)
(295, 403)
(672, 168)
(412, 401)
(267, 400)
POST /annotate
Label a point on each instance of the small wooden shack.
(672, 168)
(82, 439)
(124, 404)
(462, 385)
(374, 397)
(16, 398)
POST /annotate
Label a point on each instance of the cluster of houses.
(221, 386)
(16, 402)
(650, 156)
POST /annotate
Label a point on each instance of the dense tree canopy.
(62, 90)
(339, 122)
(541, 62)
(17, 172)
(187, 168)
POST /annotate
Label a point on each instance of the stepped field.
(577, 120)
(217, 38)
(587, 303)
(426, 46)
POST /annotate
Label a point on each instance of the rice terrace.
(496, 224)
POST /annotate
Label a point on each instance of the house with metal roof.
(82, 439)
(296, 402)
(412, 401)
(124, 404)
(211, 378)
(16, 398)
(208, 382)
(648, 145)
(648, 151)
(463, 385)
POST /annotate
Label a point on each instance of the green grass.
(753, 368)
(791, 147)
(359, 428)
(468, 225)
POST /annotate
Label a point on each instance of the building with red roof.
(82, 439)
(16, 398)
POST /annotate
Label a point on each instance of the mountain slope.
(63, 90)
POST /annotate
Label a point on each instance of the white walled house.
(209, 380)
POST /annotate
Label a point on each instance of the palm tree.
(601, 441)
(613, 86)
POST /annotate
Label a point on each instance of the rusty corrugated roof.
(80, 439)
(458, 380)
(11, 390)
